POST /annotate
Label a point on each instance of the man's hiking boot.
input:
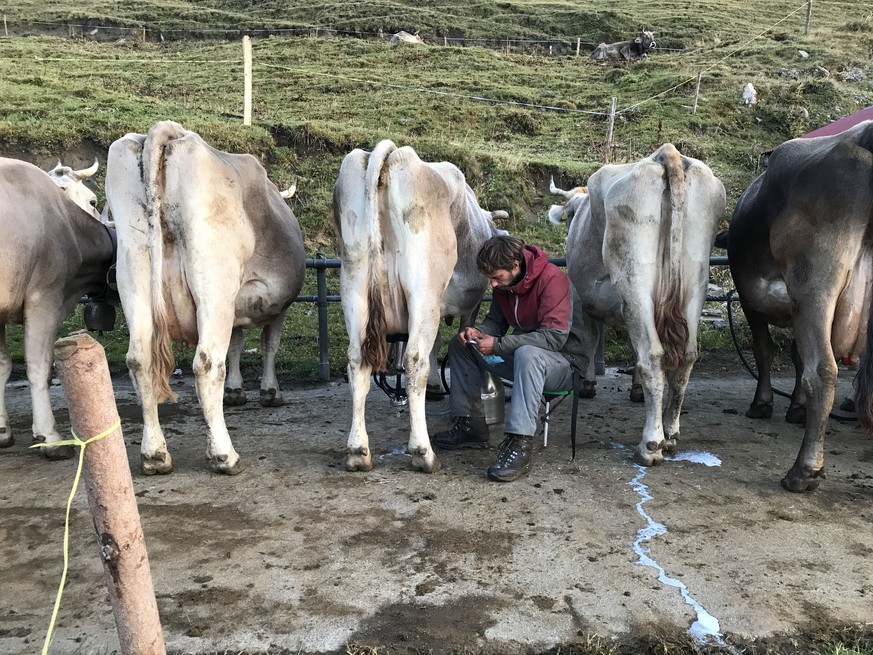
(466, 432)
(514, 460)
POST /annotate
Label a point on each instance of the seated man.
(534, 298)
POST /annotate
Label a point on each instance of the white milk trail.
(706, 626)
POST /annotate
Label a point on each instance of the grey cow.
(626, 50)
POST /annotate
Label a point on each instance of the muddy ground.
(297, 555)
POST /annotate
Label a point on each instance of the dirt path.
(297, 554)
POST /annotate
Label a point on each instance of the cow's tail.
(374, 346)
(162, 361)
(669, 303)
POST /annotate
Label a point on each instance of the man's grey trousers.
(531, 370)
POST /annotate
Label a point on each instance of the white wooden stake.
(578, 43)
(247, 80)
(696, 94)
(808, 15)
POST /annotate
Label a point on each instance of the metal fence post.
(321, 278)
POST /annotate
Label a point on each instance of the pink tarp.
(841, 125)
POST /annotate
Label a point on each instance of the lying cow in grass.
(626, 50)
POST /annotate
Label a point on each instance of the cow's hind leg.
(677, 382)
(813, 317)
(234, 394)
(356, 309)
(434, 383)
(797, 409)
(650, 353)
(762, 348)
(209, 373)
(6, 438)
(271, 395)
(358, 455)
(423, 327)
(154, 456)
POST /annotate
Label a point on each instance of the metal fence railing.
(320, 263)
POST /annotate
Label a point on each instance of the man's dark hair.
(500, 252)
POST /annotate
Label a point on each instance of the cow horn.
(87, 172)
(499, 214)
(288, 193)
(556, 190)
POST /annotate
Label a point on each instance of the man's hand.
(470, 333)
(486, 344)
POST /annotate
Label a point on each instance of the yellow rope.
(75, 441)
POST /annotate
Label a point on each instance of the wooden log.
(84, 374)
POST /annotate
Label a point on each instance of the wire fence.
(558, 46)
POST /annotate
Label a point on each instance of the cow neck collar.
(113, 239)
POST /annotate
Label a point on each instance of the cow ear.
(638, 40)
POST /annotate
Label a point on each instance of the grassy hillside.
(509, 115)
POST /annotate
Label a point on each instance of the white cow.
(638, 254)
(207, 247)
(52, 252)
(409, 232)
(71, 183)
(404, 37)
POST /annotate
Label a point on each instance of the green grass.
(317, 98)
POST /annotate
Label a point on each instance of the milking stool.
(551, 400)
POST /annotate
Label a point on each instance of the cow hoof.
(158, 464)
(271, 398)
(359, 459)
(671, 445)
(588, 390)
(651, 456)
(54, 453)
(220, 465)
(796, 414)
(798, 482)
(425, 460)
(636, 393)
(848, 405)
(6, 438)
(760, 410)
(234, 397)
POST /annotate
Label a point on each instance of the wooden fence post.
(84, 374)
(696, 94)
(609, 126)
(808, 15)
(578, 43)
(5, 29)
(445, 41)
(247, 80)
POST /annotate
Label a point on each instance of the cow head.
(71, 183)
(559, 214)
(645, 42)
